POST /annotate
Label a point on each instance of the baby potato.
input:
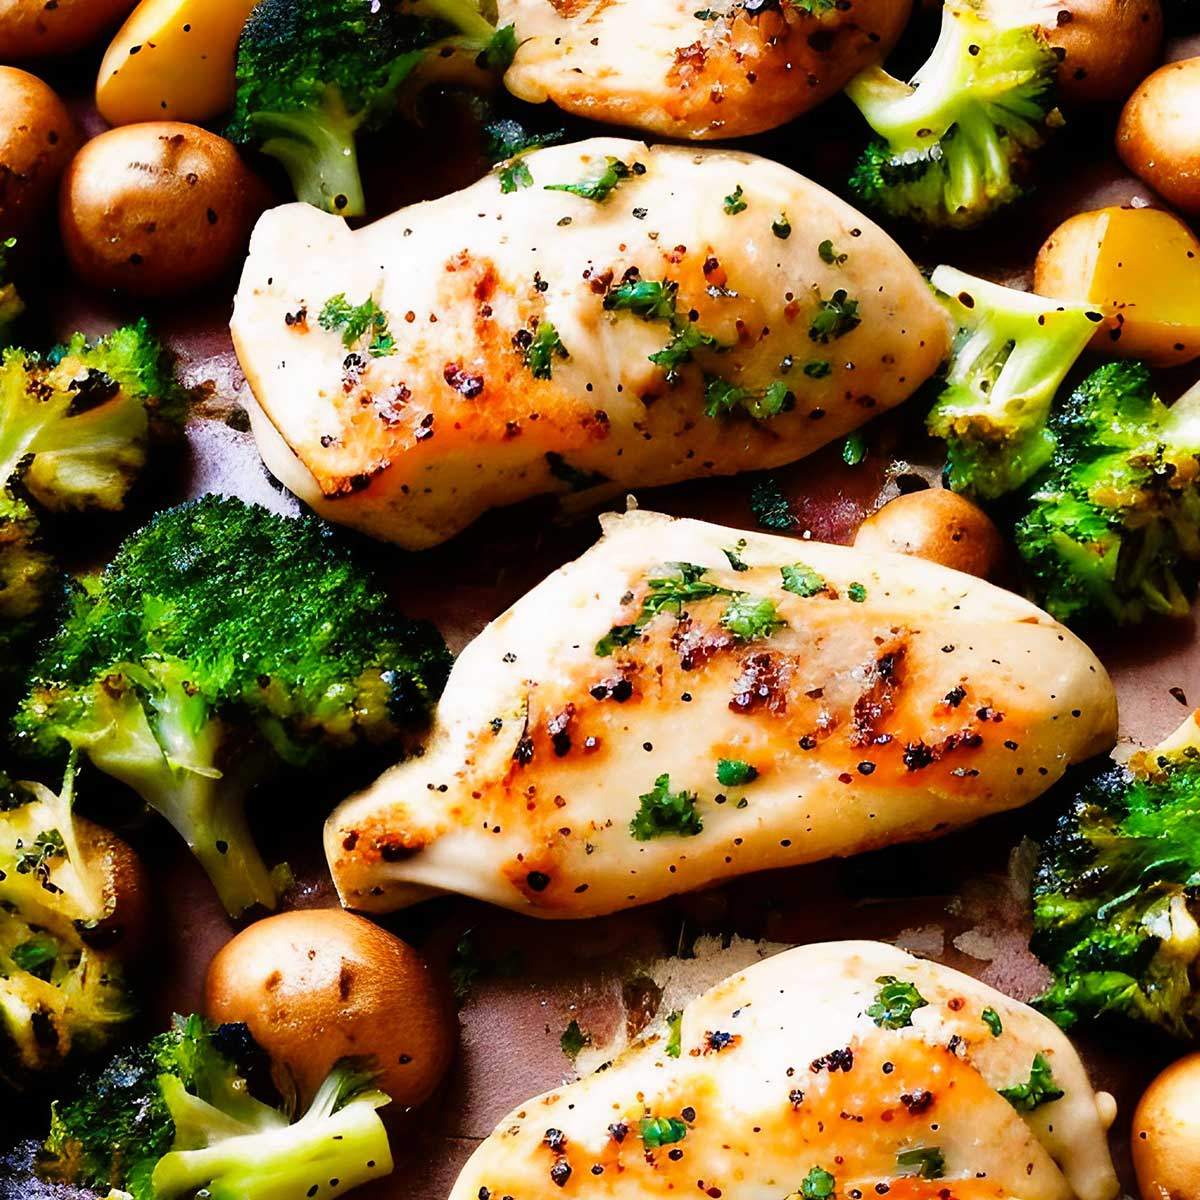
(936, 524)
(37, 139)
(157, 209)
(1140, 267)
(1166, 1134)
(318, 985)
(127, 890)
(41, 28)
(1158, 137)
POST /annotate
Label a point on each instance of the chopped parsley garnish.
(573, 1040)
(835, 318)
(802, 580)
(721, 397)
(854, 450)
(895, 1003)
(735, 556)
(37, 956)
(514, 175)
(661, 1131)
(707, 14)
(818, 1184)
(501, 49)
(601, 186)
(667, 593)
(735, 201)
(680, 349)
(818, 369)
(355, 321)
(732, 772)
(663, 812)
(991, 1018)
(857, 593)
(650, 299)
(929, 1161)
(1041, 1088)
(814, 8)
(769, 505)
(781, 227)
(674, 1030)
(577, 479)
(750, 617)
(829, 255)
(36, 859)
(541, 352)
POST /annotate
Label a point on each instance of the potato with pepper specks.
(936, 524)
(46, 28)
(158, 209)
(1166, 1134)
(37, 139)
(318, 985)
(1158, 137)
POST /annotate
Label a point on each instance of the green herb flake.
(818, 369)
(929, 1161)
(854, 450)
(829, 255)
(674, 1032)
(501, 49)
(514, 176)
(661, 1131)
(662, 812)
(650, 299)
(857, 593)
(543, 350)
(735, 556)
(37, 859)
(834, 318)
(599, 187)
(781, 227)
(1041, 1088)
(355, 321)
(577, 479)
(680, 349)
(814, 8)
(732, 772)
(735, 202)
(802, 580)
(667, 593)
(991, 1018)
(751, 617)
(895, 1003)
(818, 1184)
(573, 1040)
(769, 506)
(36, 956)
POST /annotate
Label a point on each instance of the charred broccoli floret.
(1010, 354)
(219, 638)
(953, 143)
(28, 582)
(80, 417)
(312, 77)
(1113, 526)
(60, 989)
(176, 1117)
(1116, 897)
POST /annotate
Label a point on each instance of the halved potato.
(1141, 268)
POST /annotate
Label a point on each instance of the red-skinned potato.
(43, 28)
(37, 139)
(158, 209)
(936, 524)
(318, 985)
(1166, 1134)
(1158, 137)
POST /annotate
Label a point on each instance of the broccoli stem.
(464, 15)
(332, 1151)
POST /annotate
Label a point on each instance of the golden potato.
(1166, 1134)
(39, 28)
(158, 209)
(37, 139)
(936, 524)
(1158, 137)
(127, 890)
(1140, 267)
(319, 985)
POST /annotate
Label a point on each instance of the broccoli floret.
(81, 416)
(27, 572)
(953, 142)
(312, 77)
(176, 1117)
(1113, 525)
(1115, 895)
(59, 994)
(1011, 352)
(221, 637)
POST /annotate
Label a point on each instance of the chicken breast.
(688, 70)
(702, 313)
(847, 1068)
(686, 703)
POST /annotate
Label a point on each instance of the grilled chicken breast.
(691, 313)
(848, 1068)
(686, 703)
(688, 70)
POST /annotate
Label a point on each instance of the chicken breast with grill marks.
(686, 703)
(680, 313)
(847, 1068)
(692, 70)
